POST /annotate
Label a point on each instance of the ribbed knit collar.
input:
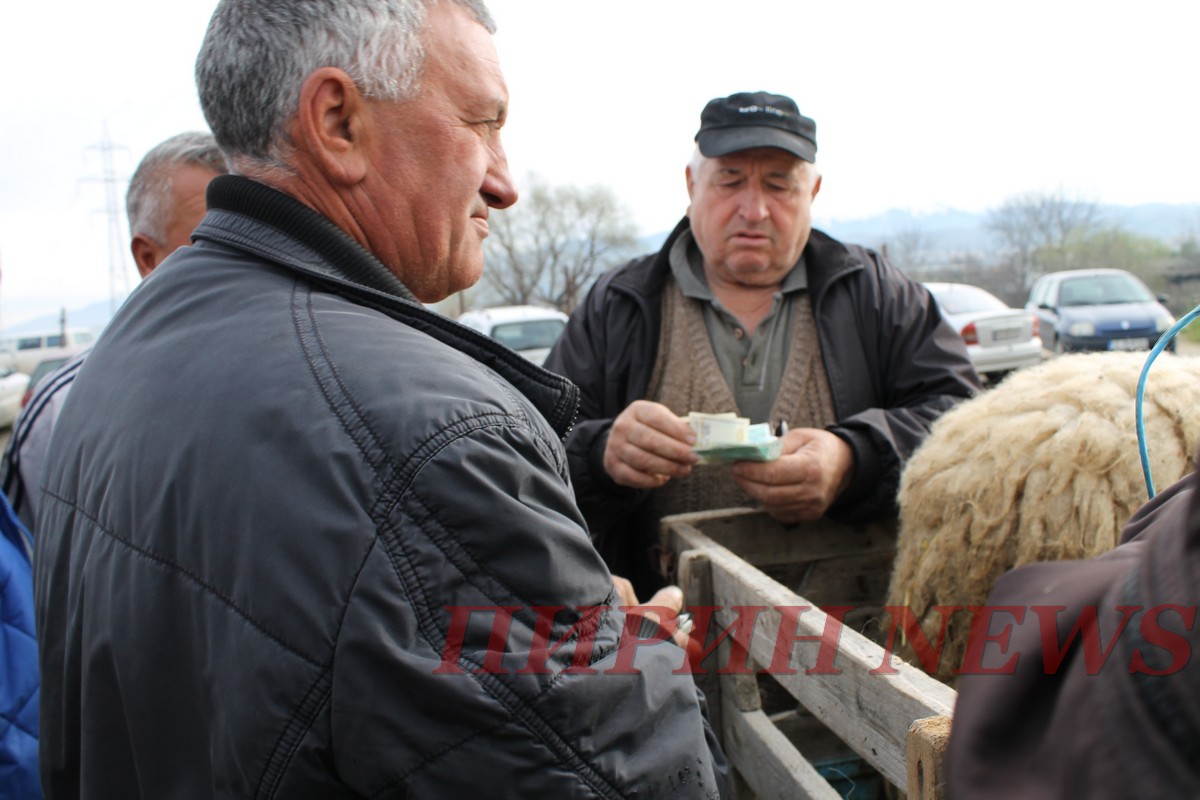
(289, 216)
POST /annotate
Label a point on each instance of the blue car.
(1097, 309)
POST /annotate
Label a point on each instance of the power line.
(118, 273)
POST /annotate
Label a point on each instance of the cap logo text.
(763, 109)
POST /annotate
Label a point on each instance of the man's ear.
(691, 179)
(328, 125)
(146, 253)
(816, 187)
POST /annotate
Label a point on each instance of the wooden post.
(927, 741)
(695, 579)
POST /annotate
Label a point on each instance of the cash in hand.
(724, 438)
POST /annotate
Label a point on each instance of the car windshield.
(962, 299)
(529, 334)
(1098, 290)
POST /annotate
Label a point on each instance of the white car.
(23, 352)
(530, 330)
(12, 391)
(999, 339)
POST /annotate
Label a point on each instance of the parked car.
(530, 330)
(12, 390)
(22, 352)
(999, 339)
(1097, 309)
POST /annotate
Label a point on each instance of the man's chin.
(455, 281)
(756, 273)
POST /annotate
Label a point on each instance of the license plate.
(1007, 333)
(1129, 344)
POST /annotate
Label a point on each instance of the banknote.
(724, 438)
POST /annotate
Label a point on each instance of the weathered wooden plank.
(695, 579)
(762, 541)
(768, 762)
(870, 713)
(927, 742)
(738, 691)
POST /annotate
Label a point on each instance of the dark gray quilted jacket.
(272, 480)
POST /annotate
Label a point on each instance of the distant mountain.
(951, 232)
(93, 317)
(1158, 220)
(940, 236)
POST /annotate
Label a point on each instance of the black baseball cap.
(755, 119)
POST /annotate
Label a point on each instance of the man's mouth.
(751, 237)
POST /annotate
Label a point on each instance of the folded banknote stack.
(723, 438)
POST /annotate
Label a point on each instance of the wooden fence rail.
(897, 720)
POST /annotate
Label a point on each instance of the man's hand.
(625, 593)
(799, 486)
(664, 608)
(648, 446)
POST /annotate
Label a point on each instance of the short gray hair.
(811, 170)
(257, 54)
(148, 200)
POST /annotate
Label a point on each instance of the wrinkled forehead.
(770, 160)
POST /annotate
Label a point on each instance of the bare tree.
(515, 267)
(1038, 230)
(909, 248)
(555, 242)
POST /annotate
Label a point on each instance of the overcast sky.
(919, 105)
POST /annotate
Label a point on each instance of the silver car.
(999, 339)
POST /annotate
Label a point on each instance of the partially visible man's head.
(382, 115)
(751, 182)
(166, 201)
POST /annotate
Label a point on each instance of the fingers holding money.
(815, 468)
(648, 445)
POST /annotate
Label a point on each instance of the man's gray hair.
(148, 200)
(257, 54)
(811, 170)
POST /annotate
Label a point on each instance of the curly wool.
(1043, 467)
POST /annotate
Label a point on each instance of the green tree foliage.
(1119, 249)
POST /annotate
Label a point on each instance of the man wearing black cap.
(747, 309)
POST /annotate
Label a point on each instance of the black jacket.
(273, 480)
(893, 364)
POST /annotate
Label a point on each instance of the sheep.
(1044, 466)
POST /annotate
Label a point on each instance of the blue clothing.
(18, 662)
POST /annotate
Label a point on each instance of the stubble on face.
(751, 214)
(439, 165)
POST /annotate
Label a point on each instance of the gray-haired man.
(311, 539)
(746, 308)
(164, 204)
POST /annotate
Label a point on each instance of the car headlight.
(1082, 328)
(1162, 322)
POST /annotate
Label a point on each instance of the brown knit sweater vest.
(687, 377)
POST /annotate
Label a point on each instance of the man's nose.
(753, 204)
(499, 190)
